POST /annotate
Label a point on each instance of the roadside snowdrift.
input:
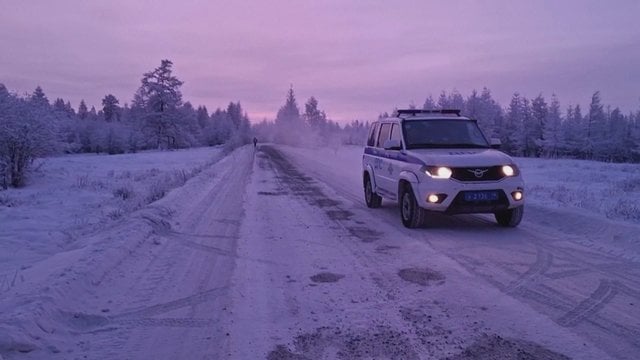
(39, 308)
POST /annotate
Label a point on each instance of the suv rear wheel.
(412, 215)
(373, 200)
(511, 217)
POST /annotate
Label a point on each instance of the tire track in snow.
(183, 274)
(591, 305)
(544, 290)
(405, 338)
(162, 308)
(544, 260)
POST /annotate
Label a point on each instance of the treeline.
(310, 127)
(31, 126)
(540, 128)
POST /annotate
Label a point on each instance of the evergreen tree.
(596, 125)
(552, 132)
(619, 143)
(159, 98)
(110, 109)
(535, 129)
(289, 114)
(313, 116)
(39, 99)
(443, 101)
(288, 122)
(202, 116)
(83, 112)
(429, 103)
(510, 133)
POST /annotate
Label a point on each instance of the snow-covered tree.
(39, 99)
(83, 111)
(202, 115)
(535, 129)
(552, 132)
(159, 98)
(110, 108)
(289, 113)
(26, 132)
(510, 133)
(429, 103)
(288, 121)
(313, 116)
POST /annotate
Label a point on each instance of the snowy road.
(272, 254)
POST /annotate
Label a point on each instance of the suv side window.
(385, 130)
(395, 133)
(372, 134)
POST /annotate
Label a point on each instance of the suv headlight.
(510, 170)
(438, 172)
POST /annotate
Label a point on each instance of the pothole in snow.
(272, 193)
(364, 233)
(421, 276)
(324, 202)
(384, 249)
(339, 214)
(326, 277)
(85, 321)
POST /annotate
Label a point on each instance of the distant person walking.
(255, 142)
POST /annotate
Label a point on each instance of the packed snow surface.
(270, 253)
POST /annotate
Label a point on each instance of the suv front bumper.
(470, 197)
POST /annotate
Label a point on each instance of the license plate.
(474, 196)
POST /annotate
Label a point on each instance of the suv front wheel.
(411, 213)
(511, 217)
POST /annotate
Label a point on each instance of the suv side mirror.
(496, 143)
(392, 144)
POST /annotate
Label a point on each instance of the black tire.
(411, 213)
(372, 199)
(511, 217)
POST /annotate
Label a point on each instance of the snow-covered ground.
(271, 254)
(69, 196)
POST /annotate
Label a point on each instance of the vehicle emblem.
(478, 172)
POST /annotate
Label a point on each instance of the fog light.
(517, 195)
(433, 198)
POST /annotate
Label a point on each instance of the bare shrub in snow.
(125, 175)
(157, 190)
(115, 214)
(180, 177)
(5, 200)
(123, 192)
(624, 209)
(629, 185)
(147, 174)
(82, 181)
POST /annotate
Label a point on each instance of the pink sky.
(359, 58)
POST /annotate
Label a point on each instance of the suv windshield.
(423, 134)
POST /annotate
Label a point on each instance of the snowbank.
(60, 238)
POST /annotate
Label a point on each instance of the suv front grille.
(492, 173)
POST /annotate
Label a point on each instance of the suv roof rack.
(415, 112)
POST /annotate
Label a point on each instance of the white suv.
(437, 160)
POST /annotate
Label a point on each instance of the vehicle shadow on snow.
(462, 222)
